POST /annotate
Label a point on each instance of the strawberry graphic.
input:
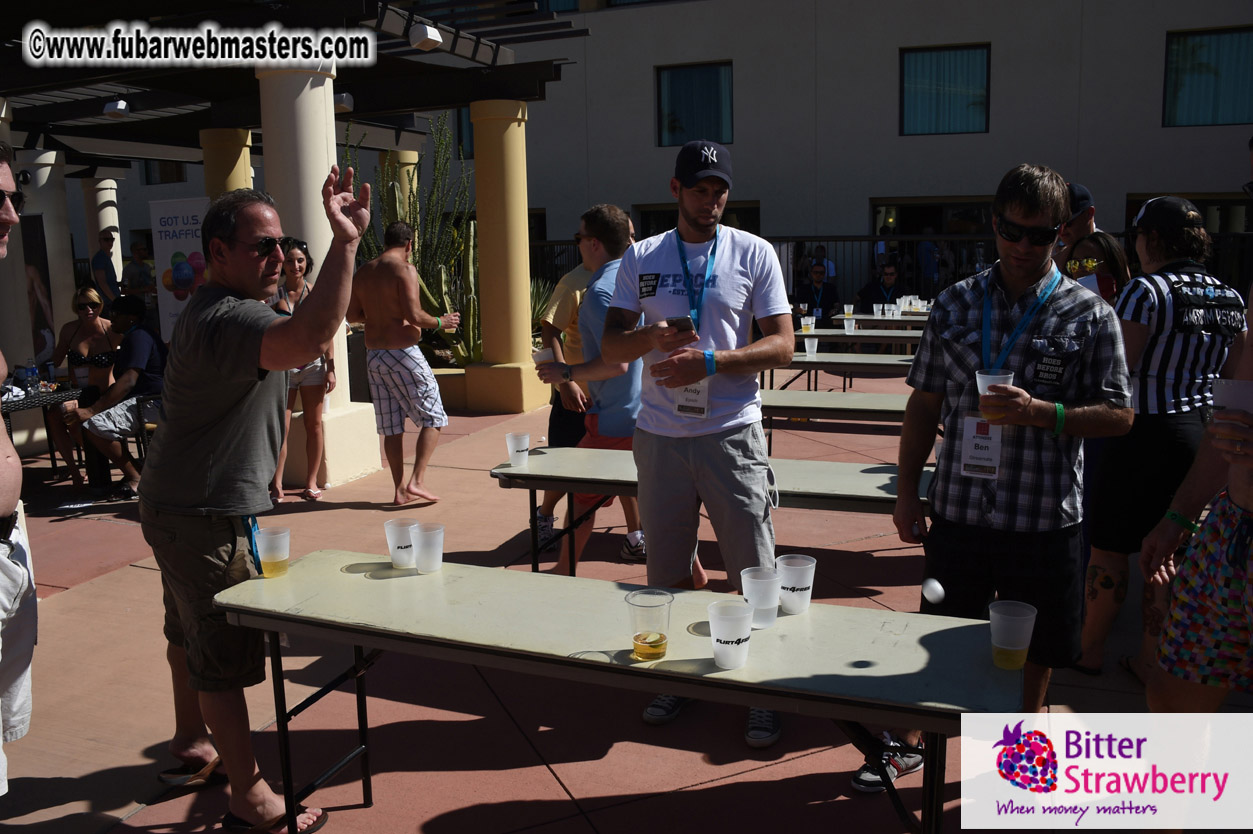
(1028, 760)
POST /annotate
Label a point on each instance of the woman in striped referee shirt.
(1182, 328)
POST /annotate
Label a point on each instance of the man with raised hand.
(698, 439)
(209, 469)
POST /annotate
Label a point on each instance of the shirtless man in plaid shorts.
(386, 296)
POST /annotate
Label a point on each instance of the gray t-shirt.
(217, 449)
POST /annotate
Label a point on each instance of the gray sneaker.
(545, 523)
(633, 552)
(897, 763)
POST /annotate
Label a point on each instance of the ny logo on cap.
(708, 154)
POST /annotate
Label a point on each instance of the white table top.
(785, 402)
(924, 669)
(851, 362)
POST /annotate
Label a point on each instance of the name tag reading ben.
(693, 400)
(980, 449)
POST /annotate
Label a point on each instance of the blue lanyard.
(887, 294)
(694, 298)
(817, 294)
(1022, 323)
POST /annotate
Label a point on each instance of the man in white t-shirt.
(698, 437)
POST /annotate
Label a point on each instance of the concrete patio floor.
(457, 748)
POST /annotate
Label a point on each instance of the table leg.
(281, 719)
(934, 756)
(570, 520)
(363, 726)
(534, 533)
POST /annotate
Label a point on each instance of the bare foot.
(699, 578)
(417, 491)
(275, 810)
(402, 497)
(559, 569)
(195, 752)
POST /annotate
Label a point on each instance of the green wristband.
(1182, 520)
(439, 322)
(1061, 419)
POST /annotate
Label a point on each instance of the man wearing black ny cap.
(698, 439)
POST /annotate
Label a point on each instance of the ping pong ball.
(932, 591)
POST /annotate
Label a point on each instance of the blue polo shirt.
(617, 400)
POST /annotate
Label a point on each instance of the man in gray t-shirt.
(210, 465)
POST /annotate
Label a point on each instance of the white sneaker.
(545, 523)
(633, 552)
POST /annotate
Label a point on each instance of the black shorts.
(565, 427)
(1137, 476)
(976, 565)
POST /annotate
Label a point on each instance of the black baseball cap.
(1168, 213)
(1080, 199)
(700, 159)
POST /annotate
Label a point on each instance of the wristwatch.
(567, 373)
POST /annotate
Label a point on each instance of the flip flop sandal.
(191, 776)
(239, 825)
(311, 495)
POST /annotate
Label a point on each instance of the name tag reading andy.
(693, 400)
(981, 448)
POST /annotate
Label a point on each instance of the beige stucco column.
(406, 163)
(227, 159)
(298, 137)
(505, 380)
(45, 196)
(100, 213)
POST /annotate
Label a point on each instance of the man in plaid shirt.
(1006, 498)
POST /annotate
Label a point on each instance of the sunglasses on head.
(17, 198)
(1036, 235)
(264, 246)
(87, 305)
(1088, 265)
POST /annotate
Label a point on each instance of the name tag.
(693, 400)
(980, 449)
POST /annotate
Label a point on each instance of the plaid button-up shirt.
(1071, 352)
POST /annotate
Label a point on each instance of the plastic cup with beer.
(272, 549)
(428, 546)
(848, 311)
(649, 611)
(761, 589)
(519, 444)
(730, 627)
(400, 542)
(1012, 623)
(807, 324)
(811, 346)
(797, 581)
(988, 377)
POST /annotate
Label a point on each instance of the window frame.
(986, 46)
(658, 70)
(1183, 33)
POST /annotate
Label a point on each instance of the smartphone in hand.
(681, 323)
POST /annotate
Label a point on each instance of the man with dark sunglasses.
(1005, 498)
(210, 465)
(17, 580)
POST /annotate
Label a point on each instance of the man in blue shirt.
(139, 371)
(103, 271)
(604, 234)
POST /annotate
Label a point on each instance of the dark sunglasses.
(1036, 235)
(87, 305)
(17, 198)
(264, 246)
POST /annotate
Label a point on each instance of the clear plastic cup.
(848, 310)
(428, 546)
(807, 324)
(796, 581)
(878, 309)
(849, 325)
(400, 542)
(542, 356)
(1012, 624)
(761, 589)
(811, 347)
(273, 549)
(649, 610)
(730, 628)
(987, 377)
(519, 444)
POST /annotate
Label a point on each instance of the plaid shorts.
(402, 385)
(122, 420)
(1206, 638)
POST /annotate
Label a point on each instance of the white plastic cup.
(730, 628)
(1231, 394)
(796, 572)
(400, 542)
(878, 310)
(807, 324)
(273, 546)
(985, 378)
(849, 325)
(428, 546)
(811, 346)
(1012, 624)
(519, 444)
(761, 589)
(848, 310)
(542, 356)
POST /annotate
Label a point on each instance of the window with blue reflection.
(694, 102)
(1209, 78)
(945, 90)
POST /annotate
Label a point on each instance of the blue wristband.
(710, 368)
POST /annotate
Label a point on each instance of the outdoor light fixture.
(117, 109)
(424, 37)
(343, 102)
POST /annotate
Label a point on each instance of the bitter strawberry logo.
(1028, 760)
